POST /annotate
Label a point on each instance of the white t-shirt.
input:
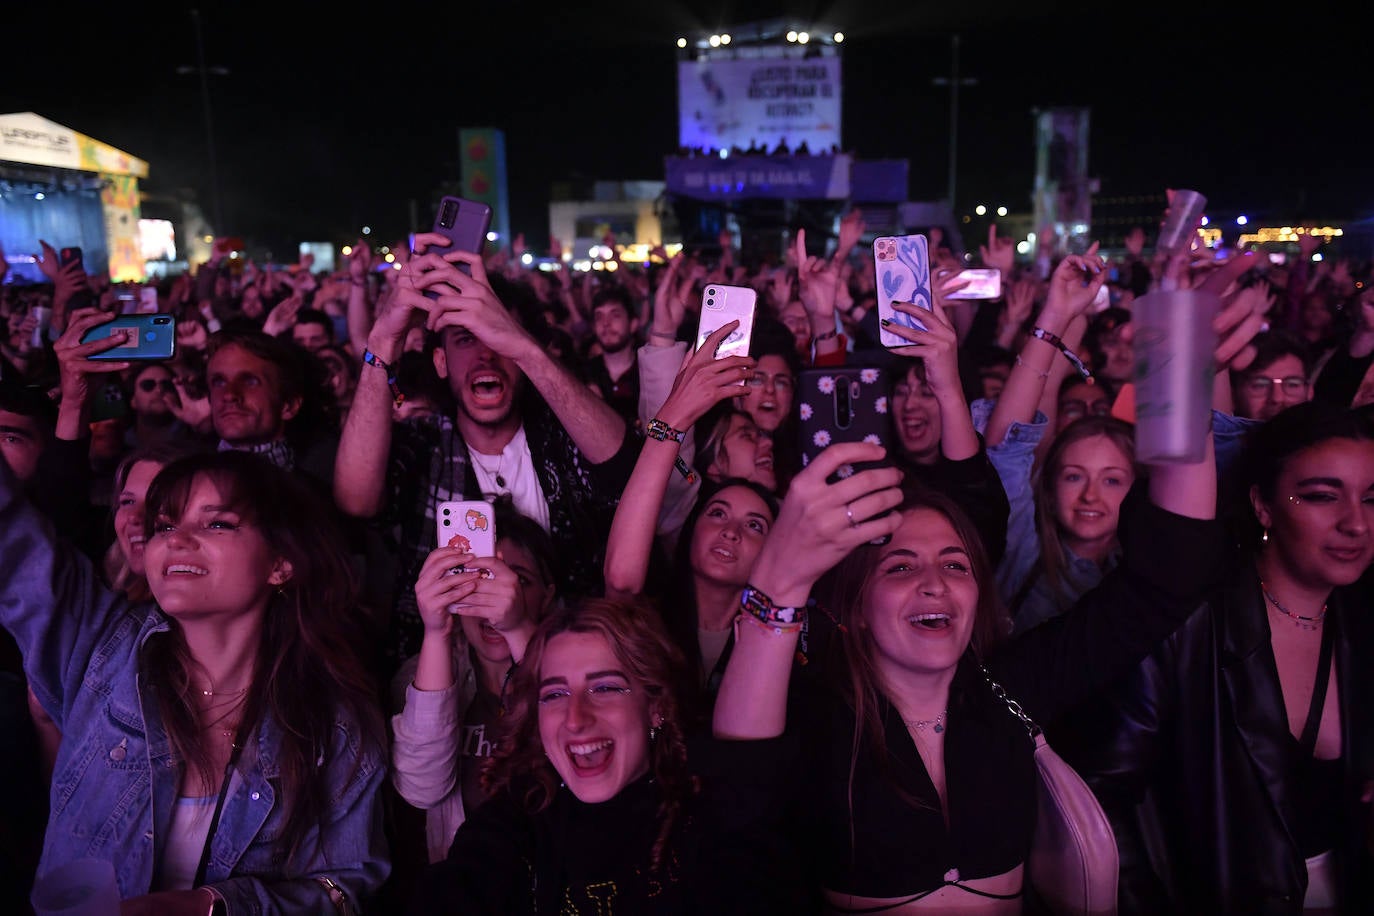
(515, 466)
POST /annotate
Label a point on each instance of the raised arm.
(703, 382)
(469, 302)
(1073, 286)
(938, 348)
(813, 532)
(365, 442)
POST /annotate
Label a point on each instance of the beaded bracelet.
(372, 359)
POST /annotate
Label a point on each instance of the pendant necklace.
(1301, 622)
(500, 481)
(936, 724)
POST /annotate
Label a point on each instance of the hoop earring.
(1264, 538)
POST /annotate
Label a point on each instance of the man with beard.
(614, 374)
(524, 426)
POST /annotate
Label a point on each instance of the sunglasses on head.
(149, 384)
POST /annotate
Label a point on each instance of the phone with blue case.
(902, 272)
(154, 338)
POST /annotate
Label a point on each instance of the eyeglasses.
(1295, 386)
(149, 384)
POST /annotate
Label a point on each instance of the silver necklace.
(936, 724)
(1301, 622)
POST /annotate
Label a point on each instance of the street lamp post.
(205, 72)
(953, 81)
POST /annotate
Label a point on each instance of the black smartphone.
(82, 298)
(155, 337)
(842, 404)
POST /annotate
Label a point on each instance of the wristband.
(372, 359)
(661, 431)
(759, 606)
(829, 335)
(1057, 342)
(657, 429)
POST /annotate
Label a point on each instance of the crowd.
(709, 668)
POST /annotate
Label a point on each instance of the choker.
(1301, 622)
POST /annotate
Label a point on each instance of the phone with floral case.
(902, 273)
(842, 404)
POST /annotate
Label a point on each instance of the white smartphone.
(469, 525)
(901, 268)
(721, 304)
(984, 283)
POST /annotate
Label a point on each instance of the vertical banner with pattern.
(482, 156)
(1063, 198)
(119, 199)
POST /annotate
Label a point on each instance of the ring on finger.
(849, 514)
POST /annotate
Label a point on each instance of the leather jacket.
(1196, 769)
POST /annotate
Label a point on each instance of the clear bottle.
(1174, 371)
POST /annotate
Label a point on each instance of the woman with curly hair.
(595, 796)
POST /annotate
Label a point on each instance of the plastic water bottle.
(1174, 371)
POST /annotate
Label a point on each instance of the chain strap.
(1000, 692)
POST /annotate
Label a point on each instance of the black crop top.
(897, 848)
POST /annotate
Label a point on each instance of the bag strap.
(1033, 730)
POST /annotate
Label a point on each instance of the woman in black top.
(1252, 727)
(596, 804)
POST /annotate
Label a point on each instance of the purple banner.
(741, 177)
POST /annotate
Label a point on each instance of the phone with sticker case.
(842, 404)
(468, 524)
(721, 304)
(902, 274)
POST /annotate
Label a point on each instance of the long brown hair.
(1054, 559)
(654, 664)
(847, 591)
(309, 676)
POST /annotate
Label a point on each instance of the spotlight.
(1001, 211)
(347, 250)
(725, 39)
(803, 38)
(367, 230)
(839, 38)
(491, 236)
(1242, 220)
(39, 196)
(980, 209)
(682, 42)
(715, 41)
(792, 35)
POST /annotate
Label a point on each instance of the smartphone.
(464, 223)
(721, 304)
(156, 338)
(69, 256)
(128, 302)
(984, 283)
(147, 300)
(469, 525)
(1103, 298)
(842, 404)
(901, 268)
(1278, 257)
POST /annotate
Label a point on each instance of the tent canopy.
(26, 137)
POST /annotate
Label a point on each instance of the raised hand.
(704, 381)
(439, 588)
(818, 280)
(937, 346)
(999, 252)
(852, 228)
(468, 301)
(192, 410)
(283, 314)
(1075, 284)
(1135, 242)
(668, 307)
(820, 522)
(359, 261)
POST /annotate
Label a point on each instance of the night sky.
(331, 121)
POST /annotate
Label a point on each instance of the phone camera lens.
(710, 302)
(710, 292)
(161, 320)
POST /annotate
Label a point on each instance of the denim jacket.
(1014, 459)
(116, 778)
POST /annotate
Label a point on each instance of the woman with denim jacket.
(222, 747)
